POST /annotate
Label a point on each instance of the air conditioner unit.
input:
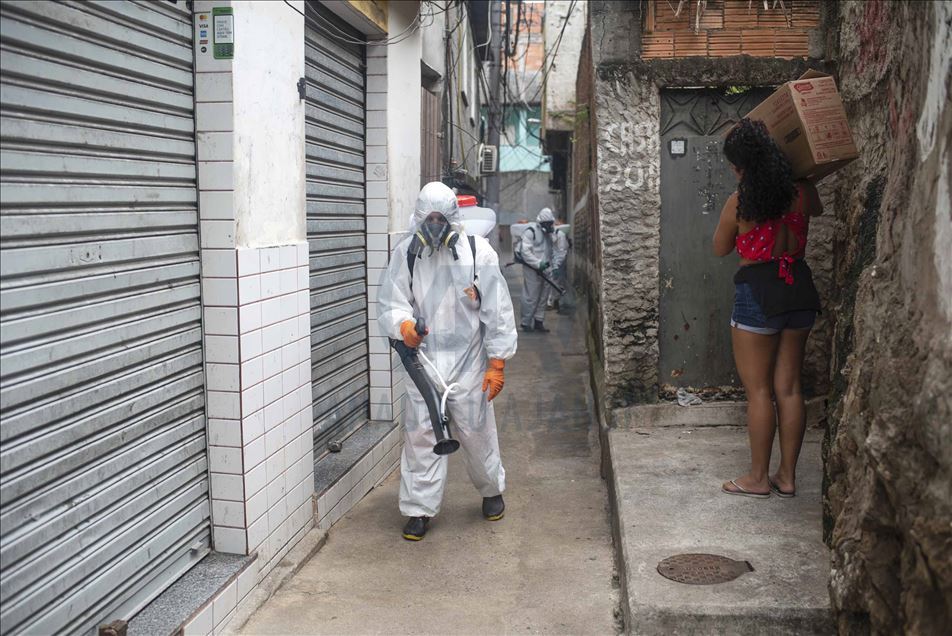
(488, 159)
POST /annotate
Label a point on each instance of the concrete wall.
(402, 118)
(433, 46)
(889, 464)
(558, 107)
(269, 125)
(626, 185)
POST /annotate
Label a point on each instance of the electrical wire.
(412, 28)
(489, 13)
(555, 51)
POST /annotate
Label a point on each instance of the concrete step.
(665, 483)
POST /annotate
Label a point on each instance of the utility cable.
(555, 51)
(412, 28)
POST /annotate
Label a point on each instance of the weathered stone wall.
(889, 465)
(629, 195)
(587, 245)
(816, 362)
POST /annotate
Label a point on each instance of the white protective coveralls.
(537, 247)
(463, 335)
(560, 243)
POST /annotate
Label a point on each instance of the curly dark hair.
(766, 188)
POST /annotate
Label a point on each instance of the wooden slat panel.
(689, 44)
(806, 13)
(772, 18)
(758, 42)
(737, 15)
(657, 45)
(665, 20)
(729, 27)
(713, 16)
(724, 43)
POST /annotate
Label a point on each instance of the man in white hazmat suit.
(456, 286)
(539, 249)
(560, 243)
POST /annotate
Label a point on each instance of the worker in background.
(539, 249)
(561, 242)
(454, 283)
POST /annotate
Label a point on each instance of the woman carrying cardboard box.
(775, 303)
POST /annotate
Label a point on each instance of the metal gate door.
(697, 291)
(104, 487)
(336, 225)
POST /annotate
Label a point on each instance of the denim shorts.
(748, 315)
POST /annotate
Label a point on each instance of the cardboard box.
(807, 120)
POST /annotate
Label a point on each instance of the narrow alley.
(547, 567)
(222, 221)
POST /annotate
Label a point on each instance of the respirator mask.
(436, 232)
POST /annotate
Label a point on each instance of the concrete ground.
(667, 490)
(547, 567)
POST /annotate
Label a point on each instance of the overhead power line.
(327, 26)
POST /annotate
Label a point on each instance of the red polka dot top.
(757, 244)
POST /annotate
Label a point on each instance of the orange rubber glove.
(410, 337)
(494, 378)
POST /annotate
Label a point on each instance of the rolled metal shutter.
(336, 224)
(103, 481)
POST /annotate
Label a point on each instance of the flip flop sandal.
(786, 494)
(745, 493)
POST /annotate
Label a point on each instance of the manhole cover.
(702, 569)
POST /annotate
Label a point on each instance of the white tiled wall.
(256, 321)
(367, 473)
(213, 617)
(258, 381)
(257, 347)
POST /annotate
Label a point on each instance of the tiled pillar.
(255, 297)
(378, 237)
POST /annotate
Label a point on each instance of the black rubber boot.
(416, 528)
(540, 327)
(494, 508)
(527, 328)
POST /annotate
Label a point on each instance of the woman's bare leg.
(754, 355)
(791, 410)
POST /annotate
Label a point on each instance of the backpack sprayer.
(519, 260)
(413, 360)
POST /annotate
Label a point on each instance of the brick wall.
(729, 27)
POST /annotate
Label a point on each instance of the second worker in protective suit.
(541, 247)
(454, 283)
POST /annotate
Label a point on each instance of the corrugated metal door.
(102, 449)
(335, 114)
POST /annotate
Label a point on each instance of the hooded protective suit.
(538, 248)
(464, 334)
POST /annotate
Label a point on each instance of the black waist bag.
(773, 294)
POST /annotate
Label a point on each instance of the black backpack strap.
(411, 261)
(472, 248)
